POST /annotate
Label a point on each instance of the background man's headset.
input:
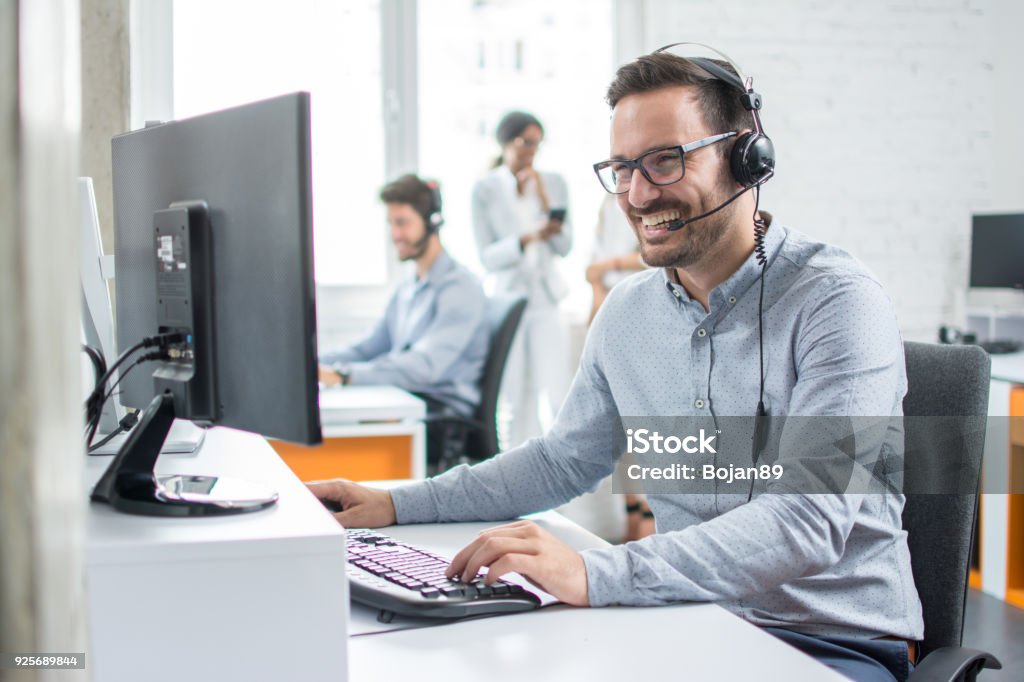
(752, 162)
(434, 219)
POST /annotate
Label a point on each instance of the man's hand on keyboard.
(361, 507)
(524, 547)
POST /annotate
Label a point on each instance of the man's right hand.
(362, 507)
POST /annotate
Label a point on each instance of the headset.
(752, 162)
(752, 159)
(433, 219)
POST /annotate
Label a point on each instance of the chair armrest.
(953, 664)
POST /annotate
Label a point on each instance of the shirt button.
(699, 404)
(732, 299)
(702, 333)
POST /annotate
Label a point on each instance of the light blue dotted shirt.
(820, 564)
(432, 339)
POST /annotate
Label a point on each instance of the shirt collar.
(442, 265)
(740, 281)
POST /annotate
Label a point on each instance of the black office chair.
(944, 454)
(468, 440)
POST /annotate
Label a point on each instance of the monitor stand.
(184, 438)
(131, 485)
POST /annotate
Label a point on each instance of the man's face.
(407, 230)
(661, 118)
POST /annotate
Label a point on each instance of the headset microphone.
(679, 223)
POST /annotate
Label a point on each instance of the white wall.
(882, 116)
(1007, 18)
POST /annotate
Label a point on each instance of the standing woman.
(521, 232)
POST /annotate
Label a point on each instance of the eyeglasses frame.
(635, 164)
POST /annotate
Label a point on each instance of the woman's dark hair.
(512, 126)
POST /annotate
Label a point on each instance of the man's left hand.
(524, 547)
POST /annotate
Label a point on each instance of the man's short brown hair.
(720, 102)
(409, 189)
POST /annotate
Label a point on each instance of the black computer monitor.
(214, 258)
(997, 251)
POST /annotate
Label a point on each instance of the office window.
(554, 59)
(232, 51)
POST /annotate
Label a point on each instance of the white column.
(42, 496)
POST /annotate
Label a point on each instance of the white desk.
(355, 411)
(370, 432)
(350, 405)
(1007, 370)
(562, 644)
(262, 596)
(256, 596)
(1008, 367)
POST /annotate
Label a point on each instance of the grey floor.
(996, 627)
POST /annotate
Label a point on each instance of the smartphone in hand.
(557, 214)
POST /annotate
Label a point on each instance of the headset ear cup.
(435, 222)
(752, 159)
(436, 219)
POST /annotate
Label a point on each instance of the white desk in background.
(562, 644)
(370, 433)
(258, 596)
(1008, 367)
(1001, 532)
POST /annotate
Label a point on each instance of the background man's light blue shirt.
(820, 564)
(432, 339)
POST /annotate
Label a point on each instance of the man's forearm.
(520, 481)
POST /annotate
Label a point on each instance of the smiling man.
(827, 573)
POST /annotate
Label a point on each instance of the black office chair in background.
(944, 455)
(468, 440)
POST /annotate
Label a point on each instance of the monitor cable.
(94, 403)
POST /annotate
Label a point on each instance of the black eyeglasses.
(660, 166)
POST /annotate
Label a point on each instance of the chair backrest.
(503, 316)
(942, 381)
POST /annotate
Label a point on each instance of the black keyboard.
(401, 579)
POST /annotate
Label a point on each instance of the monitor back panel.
(251, 165)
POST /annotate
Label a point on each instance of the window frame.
(151, 55)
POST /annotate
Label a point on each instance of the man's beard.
(418, 249)
(693, 241)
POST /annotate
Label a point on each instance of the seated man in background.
(433, 338)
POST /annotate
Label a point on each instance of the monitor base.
(130, 485)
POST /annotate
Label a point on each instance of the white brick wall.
(882, 116)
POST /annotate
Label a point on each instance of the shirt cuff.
(363, 373)
(414, 503)
(609, 576)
